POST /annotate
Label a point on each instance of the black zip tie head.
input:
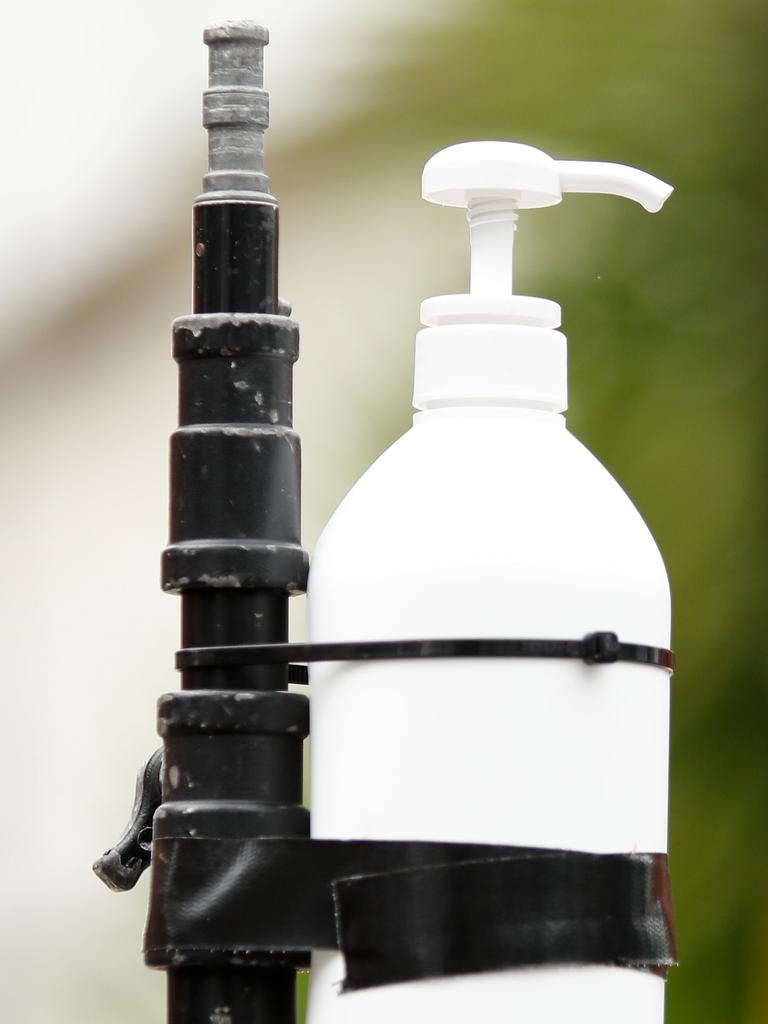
(601, 648)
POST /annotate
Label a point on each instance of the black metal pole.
(235, 554)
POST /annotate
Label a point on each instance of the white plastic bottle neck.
(490, 363)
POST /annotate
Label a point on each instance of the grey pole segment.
(235, 110)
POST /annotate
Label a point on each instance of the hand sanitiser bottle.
(489, 519)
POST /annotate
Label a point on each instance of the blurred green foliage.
(667, 369)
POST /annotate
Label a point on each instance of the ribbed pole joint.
(235, 111)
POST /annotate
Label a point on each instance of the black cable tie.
(600, 648)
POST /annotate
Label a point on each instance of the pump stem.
(492, 225)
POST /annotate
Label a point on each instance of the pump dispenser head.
(490, 345)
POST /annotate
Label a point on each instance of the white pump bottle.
(488, 519)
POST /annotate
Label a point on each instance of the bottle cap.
(490, 344)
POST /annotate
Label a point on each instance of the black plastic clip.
(122, 865)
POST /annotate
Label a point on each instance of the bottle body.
(490, 521)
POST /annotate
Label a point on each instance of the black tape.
(594, 649)
(402, 910)
(523, 910)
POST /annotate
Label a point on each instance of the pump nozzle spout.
(492, 181)
(614, 180)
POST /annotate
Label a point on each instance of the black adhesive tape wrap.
(402, 910)
(520, 911)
